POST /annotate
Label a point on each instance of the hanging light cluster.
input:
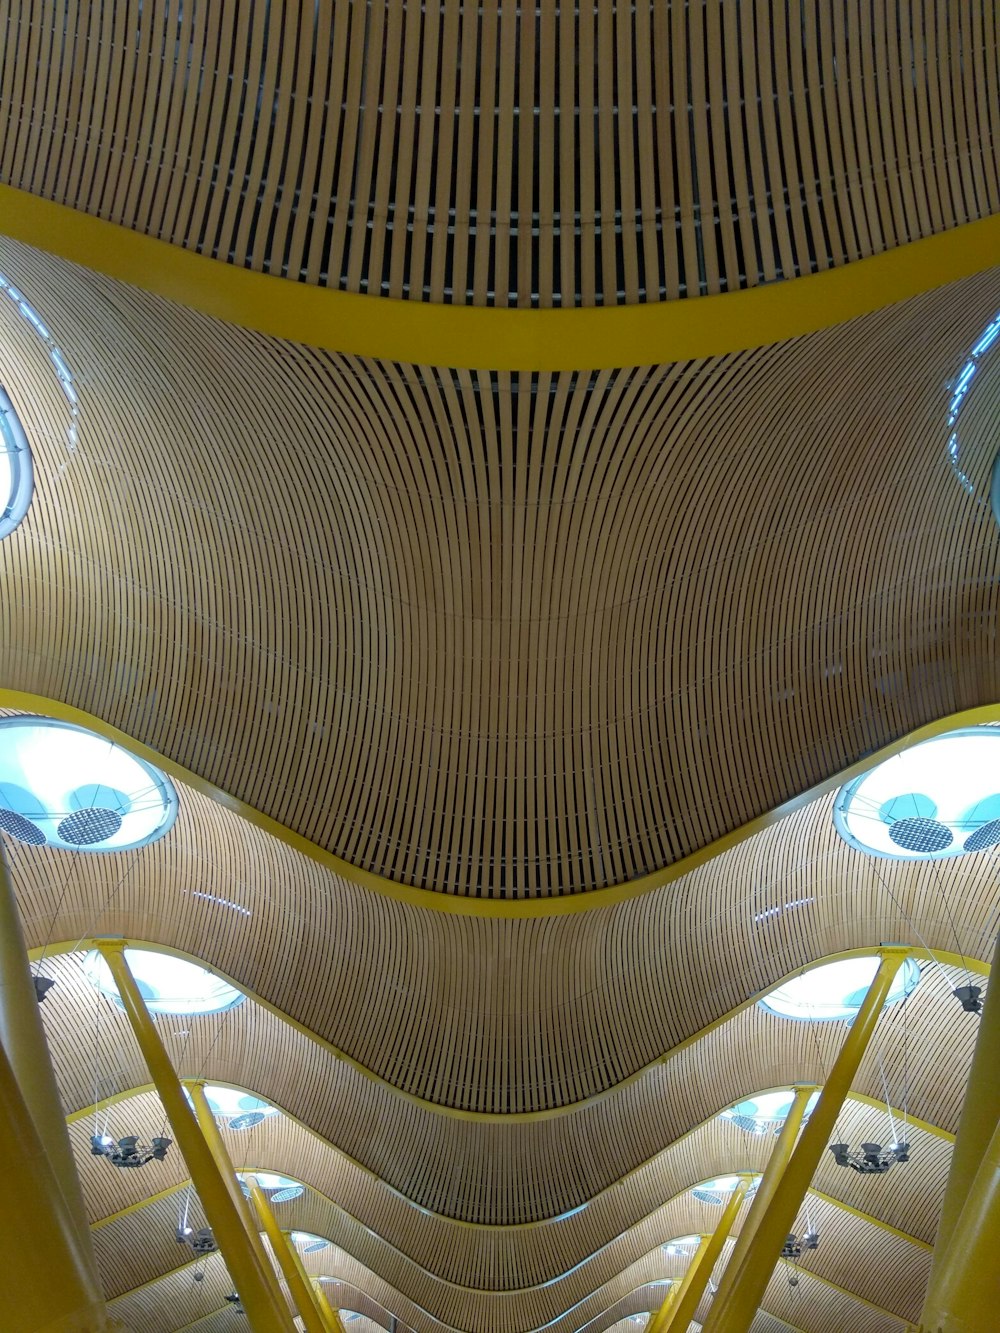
(793, 1246)
(870, 1159)
(128, 1152)
(202, 1241)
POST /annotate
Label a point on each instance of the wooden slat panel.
(313, 158)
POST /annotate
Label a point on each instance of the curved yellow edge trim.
(518, 909)
(85, 1112)
(494, 338)
(945, 956)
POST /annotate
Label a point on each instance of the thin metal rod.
(223, 1216)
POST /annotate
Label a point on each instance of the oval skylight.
(64, 786)
(836, 990)
(719, 1189)
(939, 798)
(309, 1243)
(169, 985)
(241, 1109)
(681, 1244)
(280, 1189)
(16, 478)
(766, 1112)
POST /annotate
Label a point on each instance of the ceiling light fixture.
(128, 1153)
(870, 1159)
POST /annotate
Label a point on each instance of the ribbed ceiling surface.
(504, 635)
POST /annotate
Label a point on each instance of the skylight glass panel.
(280, 1189)
(935, 799)
(681, 1245)
(241, 1109)
(169, 985)
(719, 1189)
(836, 990)
(64, 786)
(16, 479)
(766, 1112)
(309, 1243)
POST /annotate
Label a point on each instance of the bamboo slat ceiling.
(505, 636)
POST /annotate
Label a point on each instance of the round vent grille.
(987, 836)
(920, 835)
(85, 827)
(247, 1120)
(20, 828)
(287, 1194)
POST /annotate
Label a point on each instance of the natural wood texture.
(429, 685)
(505, 153)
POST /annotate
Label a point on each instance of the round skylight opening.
(938, 798)
(63, 786)
(241, 1110)
(766, 1112)
(309, 1243)
(16, 475)
(681, 1245)
(280, 1189)
(169, 985)
(719, 1188)
(836, 990)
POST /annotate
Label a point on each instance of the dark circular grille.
(921, 835)
(247, 1120)
(988, 835)
(84, 827)
(20, 828)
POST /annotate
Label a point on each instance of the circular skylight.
(241, 1109)
(766, 1112)
(169, 985)
(309, 1243)
(719, 1189)
(681, 1244)
(64, 786)
(280, 1189)
(836, 990)
(15, 468)
(935, 799)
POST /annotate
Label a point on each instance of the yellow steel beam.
(22, 1034)
(303, 1296)
(980, 1114)
(251, 1279)
(736, 1313)
(321, 1307)
(210, 1129)
(44, 1285)
(700, 1269)
(776, 1163)
(661, 1316)
(332, 1316)
(963, 1294)
(494, 338)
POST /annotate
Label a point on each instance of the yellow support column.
(700, 1268)
(303, 1295)
(773, 1172)
(242, 1261)
(46, 1288)
(210, 1129)
(980, 1113)
(22, 1034)
(660, 1317)
(331, 1315)
(736, 1314)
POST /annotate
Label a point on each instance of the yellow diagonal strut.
(252, 1283)
(751, 1277)
(287, 1257)
(700, 1268)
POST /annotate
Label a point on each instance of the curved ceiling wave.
(548, 1168)
(510, 153)
(370, 721)
(715, 1148)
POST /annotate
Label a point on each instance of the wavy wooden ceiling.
(506, 636)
